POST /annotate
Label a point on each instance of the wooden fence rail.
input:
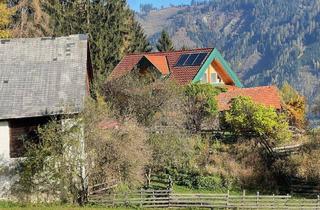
(168, 199)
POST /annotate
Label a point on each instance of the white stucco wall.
(5, 178)
(4, 140)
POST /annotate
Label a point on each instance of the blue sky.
(135, 4)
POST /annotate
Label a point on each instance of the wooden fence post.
(302, 202)
(154, 201)
(257, 201)
(318, 202)
(169, 197)
(287, 199)
(126, 199)
(141, 191)
(273, 203)
(113, 200)
(227, 199)
(243, 197)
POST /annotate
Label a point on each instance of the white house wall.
(4, 140)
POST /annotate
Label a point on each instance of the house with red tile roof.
(184, 66)
(266, 95)
(204, 65)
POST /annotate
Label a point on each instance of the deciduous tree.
(31, 19)
(5, 19)
(80, 151)
(245, 118)
(201, 104)
(294, 105)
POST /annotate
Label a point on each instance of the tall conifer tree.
(164, 43)
(139, 42)
(111, 26)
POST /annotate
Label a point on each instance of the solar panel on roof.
(198, 61)
(182, 59)
(194, 59)
(191, 59)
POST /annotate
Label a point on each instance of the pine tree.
(164, 43)
(111, 26)
(5, 19)
(185, 47)
(69, 17)
(139, 42)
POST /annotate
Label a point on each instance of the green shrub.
(204, 94)
(186, 178)
(201, 104)
(246, 118)
(210, 182)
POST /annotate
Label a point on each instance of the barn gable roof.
(42, 76)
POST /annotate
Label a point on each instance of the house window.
(204, 78)
(214, 78)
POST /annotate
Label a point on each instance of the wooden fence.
(168, 199)
(288, 150)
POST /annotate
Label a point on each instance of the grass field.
(13, 206)
(6, 206)
(176, 188)
(58, 208)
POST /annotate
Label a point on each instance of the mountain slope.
(266, 42)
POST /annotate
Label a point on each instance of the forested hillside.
(266, 42)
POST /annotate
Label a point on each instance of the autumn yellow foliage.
(5, 18)
(294, 105)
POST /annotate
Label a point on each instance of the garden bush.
(212, 182)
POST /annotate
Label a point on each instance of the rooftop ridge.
(254, 88)
(80, 36)
(264, 86)
(175, 51)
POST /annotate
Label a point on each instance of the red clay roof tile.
(266, 95)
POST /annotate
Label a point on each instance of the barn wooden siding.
(22, 129)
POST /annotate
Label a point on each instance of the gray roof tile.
(42, 76)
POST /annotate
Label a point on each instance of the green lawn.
(57, 207)
(185, 190)
(12, 206)
(66, 208)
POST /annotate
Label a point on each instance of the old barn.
(39, 78)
